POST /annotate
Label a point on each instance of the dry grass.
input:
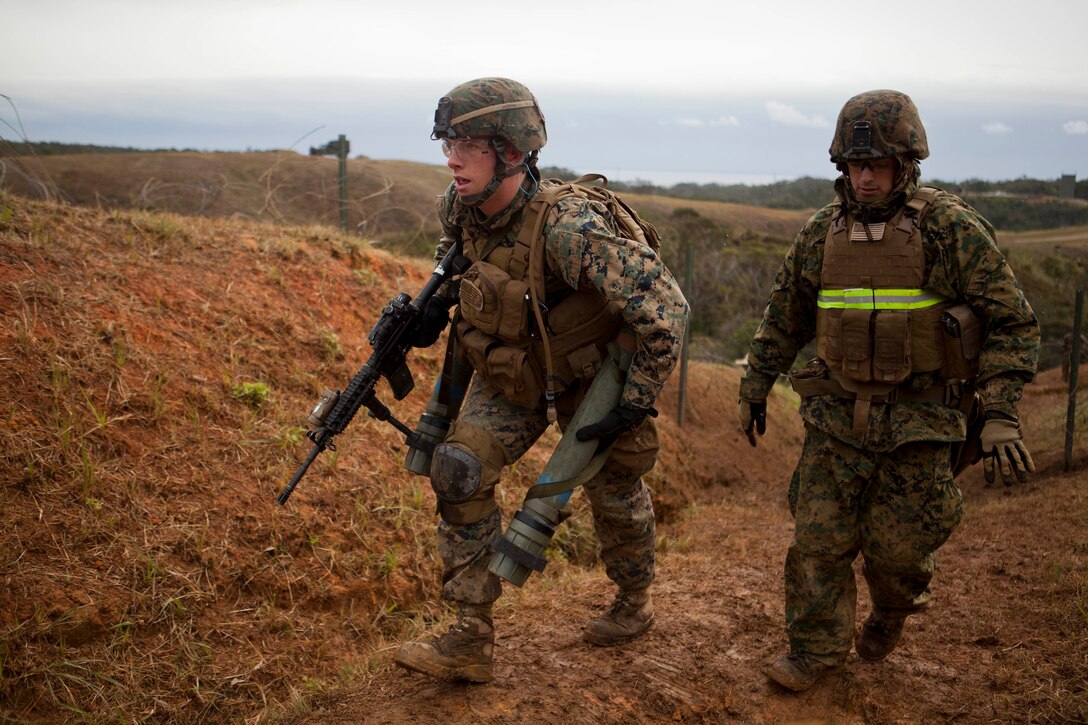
(385, 198)
(148, 573)
(159, 369)
(389, 200)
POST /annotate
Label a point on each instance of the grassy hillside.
(392, 201)
(737, 247)
(158, 370)
(386, 198)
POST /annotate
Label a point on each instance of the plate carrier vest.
(876, 326)
(529, 339)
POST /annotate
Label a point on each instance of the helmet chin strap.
(502, 172)
(491, 188)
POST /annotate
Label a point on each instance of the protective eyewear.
(872, 164)
(466, 147)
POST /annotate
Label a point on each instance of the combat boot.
(631, 614)
(879, 636)
(797, 671)
(462, 653)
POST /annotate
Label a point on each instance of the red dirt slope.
(157, 371)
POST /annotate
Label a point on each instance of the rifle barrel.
(286, 492)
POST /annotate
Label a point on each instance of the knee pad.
(456, 474)
(464, 472)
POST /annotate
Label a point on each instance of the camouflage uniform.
(543, 297)
(584, 252)
(889, 495)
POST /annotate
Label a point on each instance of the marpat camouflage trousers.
(623, 514)
(895, 509)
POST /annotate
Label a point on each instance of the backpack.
(552, 191)
(631, 225)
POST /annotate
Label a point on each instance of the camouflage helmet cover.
(876, 124)
(492, 107)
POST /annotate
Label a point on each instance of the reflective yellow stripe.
(876, 299)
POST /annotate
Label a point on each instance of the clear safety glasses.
(465, 148)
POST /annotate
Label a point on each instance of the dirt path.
(151, 419)
(1005, 639)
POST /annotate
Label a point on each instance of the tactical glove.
(619, 420)
(433, 320)
(753, 414)
(1002, 444)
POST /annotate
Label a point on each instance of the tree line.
(58, 148)
(1017, 205)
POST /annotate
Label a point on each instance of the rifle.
(391, 339)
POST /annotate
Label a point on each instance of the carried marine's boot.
(797, 671)
(631, 614)
(462, 653)
(879, 636)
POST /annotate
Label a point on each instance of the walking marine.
(535, 314)
(916, 319)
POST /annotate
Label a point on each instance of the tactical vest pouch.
(579, 326)
(891, 352)
(856, 345)
(962, 332)
(476, 345)
(927, 345)
(494, 303)
(515, 373)
(585, 362)
(829, 336)
(511, 371)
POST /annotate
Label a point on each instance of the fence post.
(340, 148)
(1074, 366)
(342, 156)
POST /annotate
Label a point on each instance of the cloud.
(790, 116)
(996, 128)
(1075, 128)
(691, 122)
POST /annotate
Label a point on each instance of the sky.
(665, 91)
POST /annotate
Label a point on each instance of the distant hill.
(387, 199)
(57, 148)
(1018, 205)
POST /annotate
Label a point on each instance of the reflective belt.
(861, 298)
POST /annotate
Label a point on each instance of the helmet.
(492, 107)
(876, 124)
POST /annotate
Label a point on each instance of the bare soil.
(1004, 640)
(156, 371)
